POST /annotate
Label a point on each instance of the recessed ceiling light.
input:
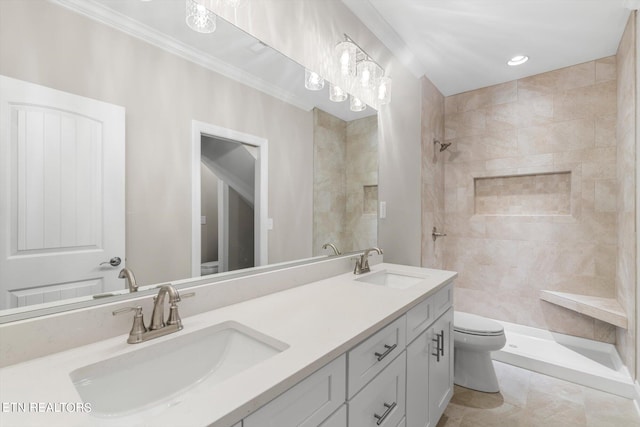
(518, 60)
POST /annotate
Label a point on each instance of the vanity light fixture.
(517, 60)
(355, 104)
(336, 94)
(353, 72)
(312, 80)
(369, 74)
(199, 18)
(347, 53)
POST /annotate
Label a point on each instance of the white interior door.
(61, 194)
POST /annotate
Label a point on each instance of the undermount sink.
(142, 378)
(391, 279)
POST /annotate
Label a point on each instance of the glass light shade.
(199, 18)
(369, 74)
(346, 53)
(312, 80)
(355, 104)
(336, 94)
(384, 90)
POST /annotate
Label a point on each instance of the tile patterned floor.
(529, 399)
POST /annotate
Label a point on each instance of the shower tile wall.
(345, 182)
(432, 174)
(626, 204)
(552, 123)
(329, 181)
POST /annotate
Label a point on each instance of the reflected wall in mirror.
(345, 182)
(163, 88)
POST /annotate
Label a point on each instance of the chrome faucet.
(332, 246)
(129, 278)
(139, 333)
(362, 264)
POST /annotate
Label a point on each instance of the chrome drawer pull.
(389, 348)
(381, 418)
(442, 343)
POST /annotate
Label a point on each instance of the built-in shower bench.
(606, 309)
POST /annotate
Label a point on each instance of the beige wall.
(329, 182)
(558, 121)
(626, 284)
(162, 94)
(345, 183)
(433, 163)
(307, 31)
(361, 229)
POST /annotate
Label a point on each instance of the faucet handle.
(137, 309)
(138, 328)
(174, 317)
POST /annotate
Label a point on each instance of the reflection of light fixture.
(336, 94)
(356, 104)
(369, 74)
(517, 60)
(346, 53)
(312, 80)
(199, 18)
(384, 90)
(353, 72)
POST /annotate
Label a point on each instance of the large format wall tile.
(530, 196)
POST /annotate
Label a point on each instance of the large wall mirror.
(311, 173)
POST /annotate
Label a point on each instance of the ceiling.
(461, 45)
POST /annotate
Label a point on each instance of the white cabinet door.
(382, 402)
(419, 354)
(308, 403)
(441, 366)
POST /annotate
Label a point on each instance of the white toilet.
(474, 338)
(207, 268)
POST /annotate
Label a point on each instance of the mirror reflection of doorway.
(229, 200)
(227, 204)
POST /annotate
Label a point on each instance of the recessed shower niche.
(532, 194)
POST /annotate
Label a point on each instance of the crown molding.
(106, 16)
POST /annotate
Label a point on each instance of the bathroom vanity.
(356, 350)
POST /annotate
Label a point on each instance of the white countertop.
(319, 321)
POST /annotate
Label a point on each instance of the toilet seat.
(467, 323)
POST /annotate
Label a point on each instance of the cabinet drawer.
(338, 419)
(382, 400)
(422, 315)
(372, 355)
(308, 403)
(442, 300)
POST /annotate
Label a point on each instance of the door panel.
(62, 194)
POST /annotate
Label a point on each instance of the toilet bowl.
(207, 268)
(474, 338)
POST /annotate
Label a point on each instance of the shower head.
(443, 146)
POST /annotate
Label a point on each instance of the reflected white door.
(61, 194)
